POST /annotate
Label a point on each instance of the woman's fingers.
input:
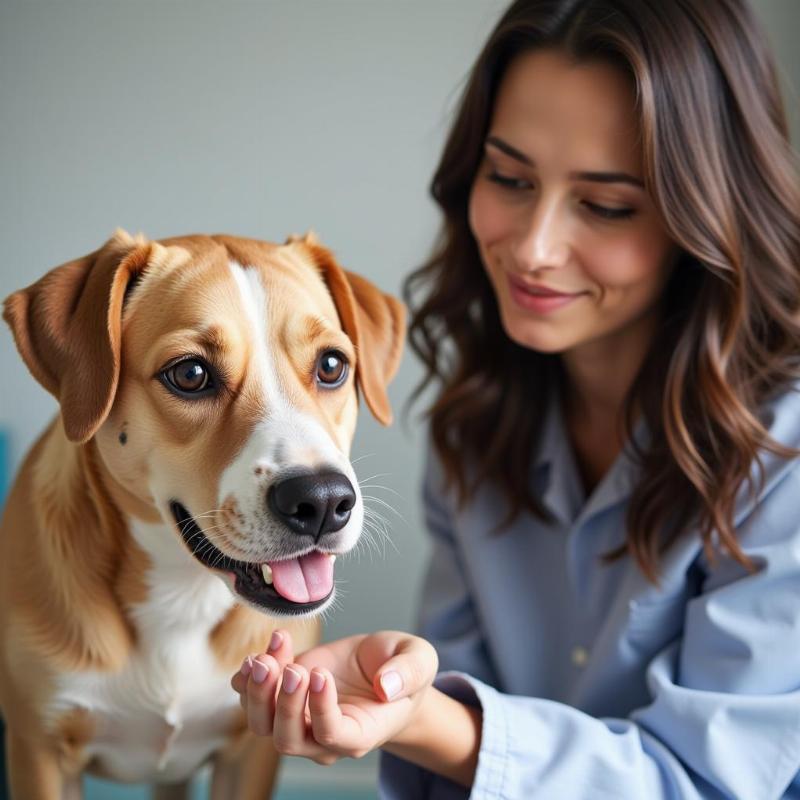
(239, 680)
(281, 647)
(329, 726)
(260, 696)
(292, 734)
(290, 731)
(412, 668)
(323, 705)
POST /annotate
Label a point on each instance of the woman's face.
(572, 243)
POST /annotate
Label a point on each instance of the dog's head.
(218, 377)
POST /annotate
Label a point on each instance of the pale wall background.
(258, 119)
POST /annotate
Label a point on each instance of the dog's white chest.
(172, 706)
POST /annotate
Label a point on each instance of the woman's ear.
(374, 321)
(67, 329)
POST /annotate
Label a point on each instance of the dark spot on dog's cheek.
(123, 438)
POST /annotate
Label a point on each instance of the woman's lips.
(539, 299)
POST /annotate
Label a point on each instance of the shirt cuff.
(400, 780)
(490, 774)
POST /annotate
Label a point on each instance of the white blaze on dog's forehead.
(286, 434)
(286, 438)
(253, 298)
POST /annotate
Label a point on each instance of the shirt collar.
(557, 479)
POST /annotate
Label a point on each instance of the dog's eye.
(332, 369)
(189, 376)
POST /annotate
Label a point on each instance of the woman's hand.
(333, 701)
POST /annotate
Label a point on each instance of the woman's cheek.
(485, 219)
(622, 263)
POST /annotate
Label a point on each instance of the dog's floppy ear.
(374, 321)
(67, 329)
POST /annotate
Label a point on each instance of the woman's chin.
(538, 336)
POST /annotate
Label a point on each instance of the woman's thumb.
(412, 669)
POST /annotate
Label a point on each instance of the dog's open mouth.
(291, 586)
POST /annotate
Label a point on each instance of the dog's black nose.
(314, 504)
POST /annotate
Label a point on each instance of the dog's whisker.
(374, 515)
(380, 525)
(380, 501)
(199, 535)
(335, 606)
(219, 559)
(366, 546)
(383, 537)
(363, 542)
(373, 477)
(382, 487)
(370, 535)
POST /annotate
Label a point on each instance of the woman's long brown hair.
(719, 167)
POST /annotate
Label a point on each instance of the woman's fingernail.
(247, 666)
(391, 683)
(291, 680)
(275, 642)
(317, 681)
(260, 671)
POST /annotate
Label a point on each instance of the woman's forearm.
(444, 737)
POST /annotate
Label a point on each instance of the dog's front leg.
(34, 772)
(245, 770)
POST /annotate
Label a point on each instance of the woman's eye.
(190, 376)
(507, 182)
(609, 213)
(331, 369)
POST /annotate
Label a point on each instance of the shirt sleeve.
(724, 716)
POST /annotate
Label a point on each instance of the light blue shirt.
(595, 684)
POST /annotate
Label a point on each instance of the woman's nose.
(544, 238)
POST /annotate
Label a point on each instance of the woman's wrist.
(443, 736)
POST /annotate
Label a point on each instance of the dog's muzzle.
(310, 506)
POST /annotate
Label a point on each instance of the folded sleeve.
(724, 715)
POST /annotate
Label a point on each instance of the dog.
(194, 487)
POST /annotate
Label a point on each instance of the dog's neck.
(92, 566)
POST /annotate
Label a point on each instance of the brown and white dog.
(195, 485)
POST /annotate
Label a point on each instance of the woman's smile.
(538, 298)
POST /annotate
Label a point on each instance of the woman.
(613, 317)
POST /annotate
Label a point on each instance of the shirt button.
(579, 656)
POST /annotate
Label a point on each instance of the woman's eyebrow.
(598, 177)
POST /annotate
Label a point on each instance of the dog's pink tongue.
(304, 579)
